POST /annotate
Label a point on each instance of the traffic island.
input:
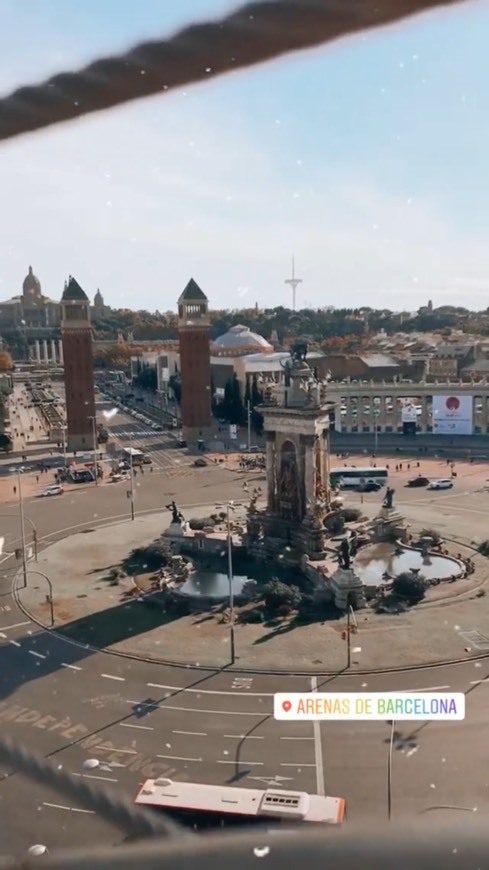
(96, 606)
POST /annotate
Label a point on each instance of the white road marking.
(243, 763)
(424, 689)
(243, 737)
(71, 667)
(92, 776)
(139, 727)
(17, 625)
(259, 714)
(33, 652)
(297, 764)
(297, 738)
(3, 635)
(104, 748)
(111, 677)
(191, 733)
(70, 809)
(178, 758)
(15, 643)
(478, 682)
(209, 691)
(318, 748)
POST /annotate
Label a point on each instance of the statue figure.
(287, 369)
(177, 516)
(389, 498)
(298, 353)
(344, 554)
(288, 487)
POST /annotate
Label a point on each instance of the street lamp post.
(248, 408)
(131, 472)
(376, 431)
(230, 506)
(22, 528)
(64, 427)
(389, 771)
(94, 441)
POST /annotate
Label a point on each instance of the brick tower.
(76, 333)
(195, 362)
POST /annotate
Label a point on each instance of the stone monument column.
(271, 471)
(309, 467)
(37, 348)
(60, 352)
(53, 351)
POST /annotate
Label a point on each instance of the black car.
(370, 486)
(181, 442)
(418, 481)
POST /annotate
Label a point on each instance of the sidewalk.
(92, 611)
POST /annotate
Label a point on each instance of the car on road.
(444, 483)
(52, 490)
(418, 481)
(181, 442)
(370, 486)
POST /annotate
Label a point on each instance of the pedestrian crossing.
(137, 433)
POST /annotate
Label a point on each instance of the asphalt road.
(140, 720)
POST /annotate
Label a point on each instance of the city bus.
(350, 475)
(217, 806)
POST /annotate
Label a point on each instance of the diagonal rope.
(118, 811)
(255, 33)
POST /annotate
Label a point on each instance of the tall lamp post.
(248, 408)
(22, 528)
(376, 431)
(230, 507)
(389, 770)
(94, 441)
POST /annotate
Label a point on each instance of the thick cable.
(117, 810)
(257, 32)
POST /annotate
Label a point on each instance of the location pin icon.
(286, 706)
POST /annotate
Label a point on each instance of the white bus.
(350, 475)
(211, 806)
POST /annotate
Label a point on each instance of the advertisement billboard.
(453, 415)
(409, 413)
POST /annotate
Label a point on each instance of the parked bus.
(131, 454)
(349, 475)
(211, 806)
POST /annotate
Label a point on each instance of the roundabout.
(139, 719)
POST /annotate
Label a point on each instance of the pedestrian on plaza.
(15, 490)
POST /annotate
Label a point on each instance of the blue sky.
(367, 159)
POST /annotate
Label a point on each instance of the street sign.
(233, 432)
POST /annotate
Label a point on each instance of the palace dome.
(240, 340)
(31, 284)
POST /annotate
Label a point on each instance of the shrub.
(431, 533)
(151, 558)
(483, 548)
(251, 617)
(276, 594)
(334, 524)
(350, 515)
(199, 523)
(410, 586)
(284, 610)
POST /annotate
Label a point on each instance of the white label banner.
(409, 414)
(453, 415)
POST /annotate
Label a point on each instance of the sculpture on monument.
(389, 498)
(344, 554)
(298, 354)
(288, 491)
(177, 516)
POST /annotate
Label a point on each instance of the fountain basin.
(372, 562)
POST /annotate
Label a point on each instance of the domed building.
(31, 309)
(240, 341)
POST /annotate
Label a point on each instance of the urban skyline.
(380, 197)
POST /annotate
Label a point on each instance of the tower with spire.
(76, 334)
(294, 283)
(195, 362)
